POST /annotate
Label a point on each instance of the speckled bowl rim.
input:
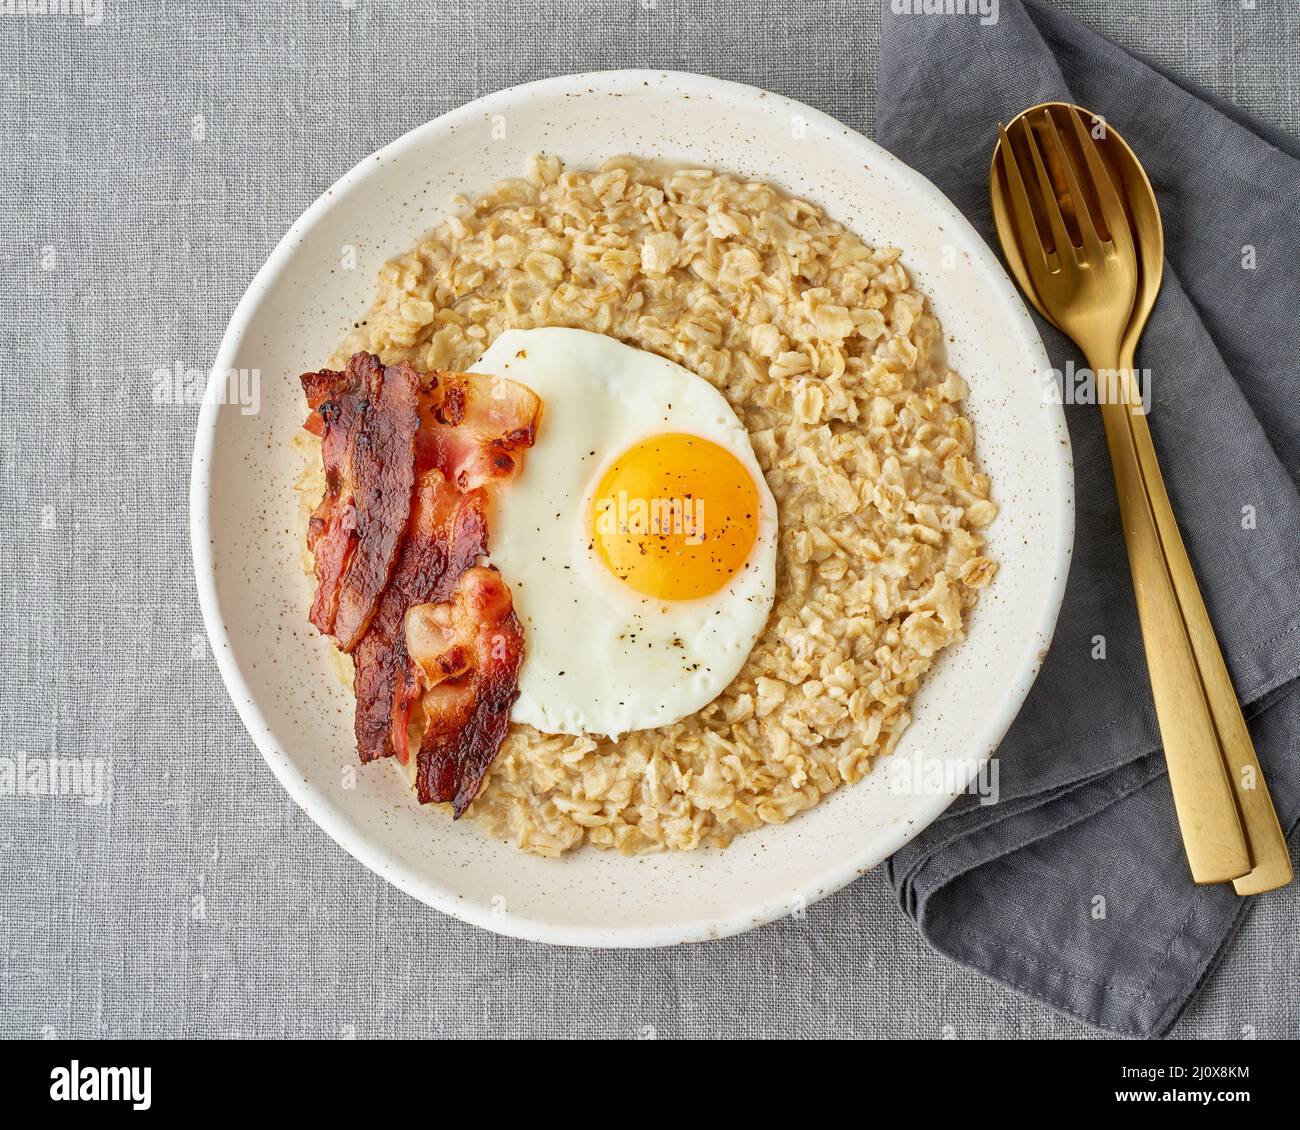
(1059, 539)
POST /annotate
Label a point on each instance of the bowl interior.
(254, 596)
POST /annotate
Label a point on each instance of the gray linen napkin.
(1073, 888)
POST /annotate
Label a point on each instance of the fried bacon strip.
(452, 690)
(465, 655)
(472, 426)
(446, 537)
(367, 418)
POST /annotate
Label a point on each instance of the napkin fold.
(1074, 888)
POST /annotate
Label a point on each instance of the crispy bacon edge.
(368, 418)
(463, 678)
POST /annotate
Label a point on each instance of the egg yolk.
(675, 516)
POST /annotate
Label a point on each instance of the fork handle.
(1203, 795)
(1264, 838)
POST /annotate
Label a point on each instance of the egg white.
(600, 657)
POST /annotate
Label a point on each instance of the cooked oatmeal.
(835, 365)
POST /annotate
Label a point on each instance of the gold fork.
(1084, 278)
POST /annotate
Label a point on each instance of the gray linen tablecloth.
(149, 163)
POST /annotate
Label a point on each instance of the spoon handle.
(1268, 849)
(1203, 796)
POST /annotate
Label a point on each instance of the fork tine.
(1112, 208)
(1031, 243)
(1046, 193)
(1088, 232)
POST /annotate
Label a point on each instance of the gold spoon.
(1073, 251)
(1268, 849)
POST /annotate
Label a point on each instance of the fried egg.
(639, 543)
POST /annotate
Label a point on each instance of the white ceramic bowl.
(254, 596)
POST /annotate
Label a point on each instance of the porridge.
(835, 366)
